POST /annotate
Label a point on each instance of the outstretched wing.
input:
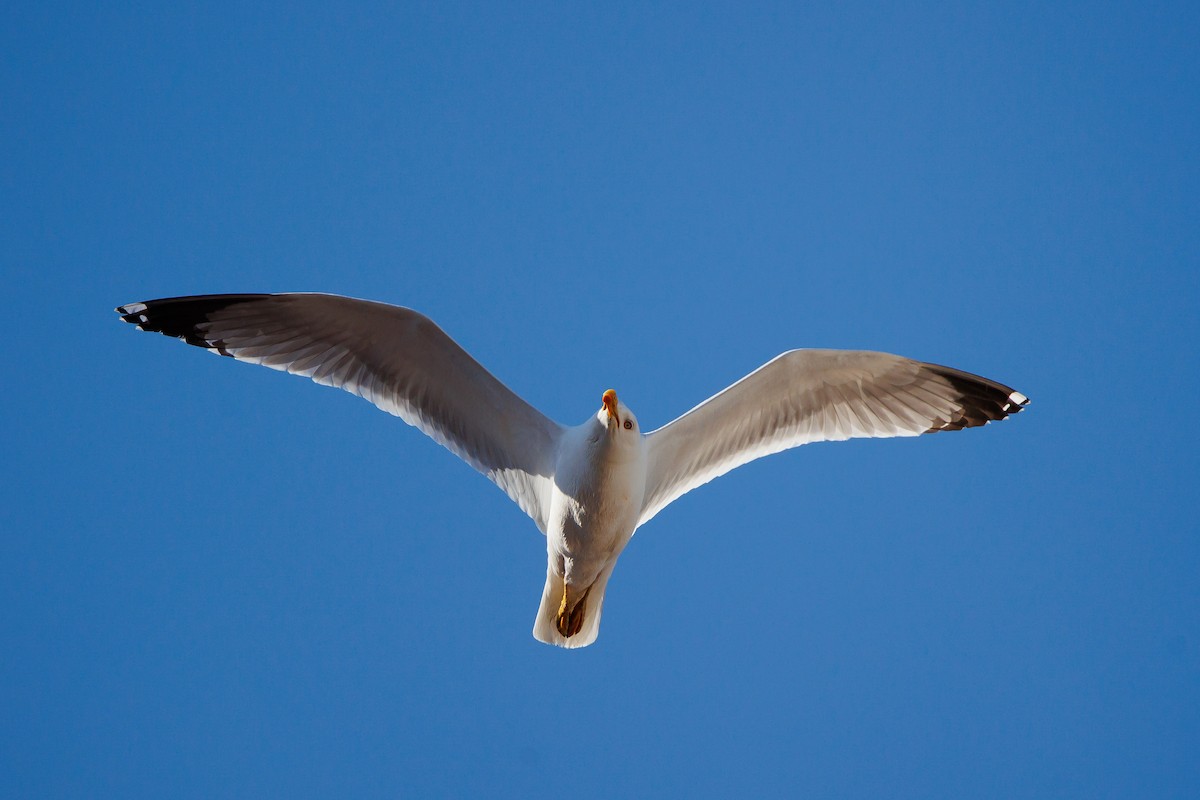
(807, 396)
(394, 357)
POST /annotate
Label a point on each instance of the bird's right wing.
(807, 396)
(394, 357)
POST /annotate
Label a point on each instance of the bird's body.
(599, 481)
(588, 487)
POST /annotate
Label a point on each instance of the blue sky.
(222, 581)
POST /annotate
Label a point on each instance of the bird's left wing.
(807, 396)
(394, 357)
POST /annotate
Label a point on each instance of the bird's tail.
(548, 627)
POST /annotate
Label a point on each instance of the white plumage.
(588, 487)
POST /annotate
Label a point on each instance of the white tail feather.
(545, 627)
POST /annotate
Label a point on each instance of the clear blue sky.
(221, 581)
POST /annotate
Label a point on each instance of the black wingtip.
(182, 317)
(982, 400)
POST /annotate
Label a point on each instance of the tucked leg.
(571, 613)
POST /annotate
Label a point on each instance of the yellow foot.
(570, 620)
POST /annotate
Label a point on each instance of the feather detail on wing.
(807, 396)
(394, 357)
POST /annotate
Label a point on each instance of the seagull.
(587, 487)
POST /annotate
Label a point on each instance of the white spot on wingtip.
(134, 308)
(1016, 401)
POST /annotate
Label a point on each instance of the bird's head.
(616, 417)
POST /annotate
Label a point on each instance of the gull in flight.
(588, 487)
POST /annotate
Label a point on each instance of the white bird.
(587, 487)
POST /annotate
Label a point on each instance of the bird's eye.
(628, 425)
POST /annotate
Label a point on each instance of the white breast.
(599, 486)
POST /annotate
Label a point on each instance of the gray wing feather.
(805, 396)
(393, 357)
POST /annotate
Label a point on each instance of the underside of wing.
(808, 396)
(394, 357)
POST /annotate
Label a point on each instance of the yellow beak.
(610, 403)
